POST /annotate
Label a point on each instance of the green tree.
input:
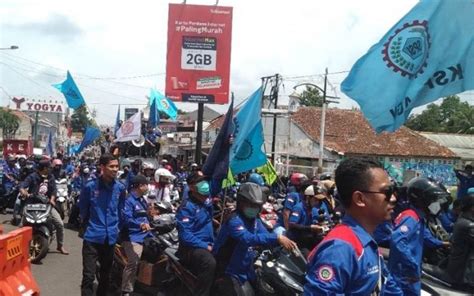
(80, 119)
(311, 96)
(9, 122)
(451, 116)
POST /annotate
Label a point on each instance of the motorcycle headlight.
(29, 220)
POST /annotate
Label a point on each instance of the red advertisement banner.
(198, 58)
(17, 147)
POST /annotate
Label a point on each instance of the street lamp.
(13, 47)
(323, 116)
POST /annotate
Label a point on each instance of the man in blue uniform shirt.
(196, 235)
(410, 234)
(299, 182)
(100, 203)
(136, 228)
(237, 237)
(347, 261)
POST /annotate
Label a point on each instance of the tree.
(80, 119)
(9, 122)
(451, 116)
(311, 96)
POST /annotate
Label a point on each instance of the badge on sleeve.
(185, 219)
(403, 229)
(325, 273)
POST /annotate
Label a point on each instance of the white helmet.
(163, 173)
(148, 165)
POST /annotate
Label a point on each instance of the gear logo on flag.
(244, 151)
(407, 50)
(165, 104)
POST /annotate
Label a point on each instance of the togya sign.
(39, 105)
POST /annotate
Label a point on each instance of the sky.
(116, 50)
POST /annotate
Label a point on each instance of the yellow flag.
(229, 181)
(268, 172)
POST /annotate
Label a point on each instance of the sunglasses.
(388, 192)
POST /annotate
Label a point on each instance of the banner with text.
(198, 58)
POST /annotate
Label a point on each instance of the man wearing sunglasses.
(410, 233)
(347, 261)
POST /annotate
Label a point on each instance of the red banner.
(198, 58)
(17, 147)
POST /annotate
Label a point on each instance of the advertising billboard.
(198, 57)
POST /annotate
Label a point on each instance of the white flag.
(130, 129)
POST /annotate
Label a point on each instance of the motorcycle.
(434, 282)
(63, 200)
(36, 214)
(280, 272)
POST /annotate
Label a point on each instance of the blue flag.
(246, 152)
(70, 91)
(117, 122)
(217, 162)
(154, 116)
(427, 55)
(50, 144)
(90, 136)
(164, 104)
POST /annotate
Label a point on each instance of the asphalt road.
(57, 274)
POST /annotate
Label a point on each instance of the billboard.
(129, 112)
(198, 57)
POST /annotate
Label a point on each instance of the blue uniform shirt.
(315, 212)
(347, 262)
(133, 205)
(100, 206)
(301, 215)
(246, 233)
(292, 199)
(409, 235)
(194, 223)
(447, 219)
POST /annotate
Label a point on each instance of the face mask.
(203, 188)
(434, 208)
(251, 212)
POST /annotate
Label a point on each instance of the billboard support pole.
(200, 119)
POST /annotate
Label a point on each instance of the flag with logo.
(131, 129)
(246, 152)
(268, 172)
(164, 104)
(427, 55)
(50, 144)
(117, 122)
(91, 134)
(153, 116)
(217, 162)
(70, 91)
(229, 180)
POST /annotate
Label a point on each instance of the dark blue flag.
(117, 122)
(90, 136)
(217, 162)
(153, 117)
(50, 145)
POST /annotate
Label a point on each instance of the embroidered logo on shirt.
(240, 228)
(403, 229)
(185, 219)
(373, 269)
(295, 214)
(290, 199)
(325, 273)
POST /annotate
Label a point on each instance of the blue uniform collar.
(364, 237)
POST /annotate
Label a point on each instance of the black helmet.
(423, 192)
(325, 176)
(251, 193)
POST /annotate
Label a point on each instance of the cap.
(139, 180)
(196, 177)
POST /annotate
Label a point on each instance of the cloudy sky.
(116, 50)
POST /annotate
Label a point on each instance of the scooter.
(63, 200)
(280, 272)
(36, 214)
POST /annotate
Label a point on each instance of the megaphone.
(139, 142)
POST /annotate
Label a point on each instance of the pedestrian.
(347, 261)
(100, 203)
(136, 229)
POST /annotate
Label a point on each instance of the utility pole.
(200, 118)
(323, 124)
(36, 129)
(275, 99)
